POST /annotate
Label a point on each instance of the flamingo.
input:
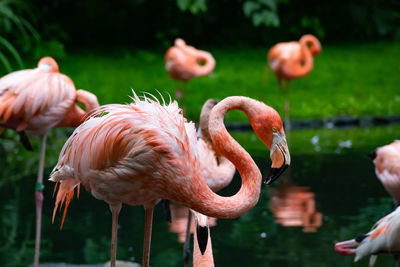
(290, 60)
(140, 153)
(38, 100)
(383, 238)
(184, 62)
(387, 168)
(216, 169)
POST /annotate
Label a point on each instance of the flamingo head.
(312, 43)
(267, 124)
(48, 64)
(179, 42)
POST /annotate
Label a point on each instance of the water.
(341, 188)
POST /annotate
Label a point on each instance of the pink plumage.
(183, 62)
(383, 238)
(38, 100)
(140, 153)
(290, 60)
(387, 169)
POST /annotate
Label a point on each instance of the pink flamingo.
(140, 153)
(290, 60)
(383, 238)
(184, 62)
(38, 100)
(216, 169)
(387, 168)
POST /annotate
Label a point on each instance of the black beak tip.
(202, 238)
(372, 155)
(274, 174)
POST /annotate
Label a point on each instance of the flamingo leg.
(284, 85)
(147, 236)
(186, 248)
(39, 200)
(115, 209)
(178, 92)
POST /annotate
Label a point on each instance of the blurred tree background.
(142, 23)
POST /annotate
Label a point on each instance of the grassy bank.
(351, 79)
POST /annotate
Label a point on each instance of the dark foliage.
(156, 23)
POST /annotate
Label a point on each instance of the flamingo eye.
(274, 129)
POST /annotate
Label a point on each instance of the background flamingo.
(140, 153)
(387, 168)
(184, 62)
(383, 238)
(290, 60)
(38, 100)
(216, 169)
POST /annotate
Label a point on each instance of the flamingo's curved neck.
(203, 62)
(76, 115)
(205, 200)
(301, 66)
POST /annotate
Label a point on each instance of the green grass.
(351, 79)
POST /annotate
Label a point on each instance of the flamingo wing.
(127, 148)
(383, 238)
(35, 99)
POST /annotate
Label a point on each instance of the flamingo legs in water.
(284, 85)
(186, 246)
(147, 236)
(39, 200)
(115, 209)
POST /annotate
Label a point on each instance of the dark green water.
(332, 163)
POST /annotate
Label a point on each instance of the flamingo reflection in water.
(295, 206)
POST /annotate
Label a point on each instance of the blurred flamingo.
(290, 60)
(383, 238)
(387, 168)
(140, 153)
(295, 206)
(184, 62)
(217, 171)
(38, 100)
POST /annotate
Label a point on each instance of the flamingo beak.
(280, 157)
(202, 229)
(346, 247)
